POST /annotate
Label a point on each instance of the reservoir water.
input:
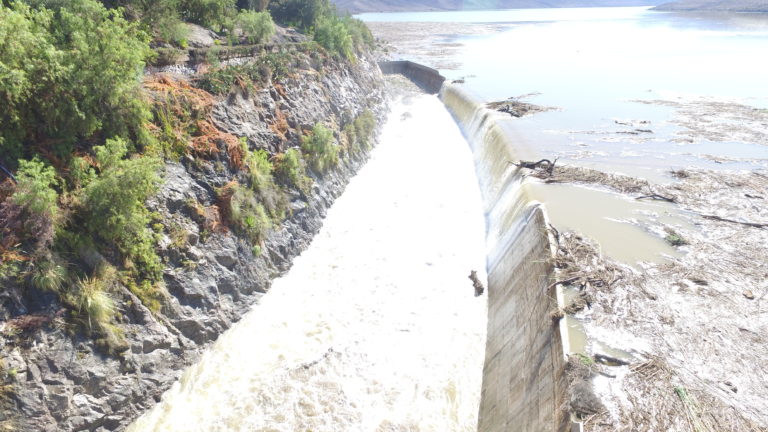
(376, 326)
(608, 72)
(628, 90)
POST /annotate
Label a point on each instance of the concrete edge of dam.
(524, 384)
(426, 78)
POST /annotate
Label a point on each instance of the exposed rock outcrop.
(60, 379)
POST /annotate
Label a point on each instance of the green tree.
(115, 209)
(69, 75)
(257, 26)
(257, 5)
(302, 13)
(333, 35)
(209, 13)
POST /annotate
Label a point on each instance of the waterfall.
(522, 377)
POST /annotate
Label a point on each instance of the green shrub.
(256, 26)
(360, 33)
(149, 293)
(300, 13)
(290, 170)
(248, 214)
(332, 34)
(95, 303)
(49, 276)
(257, 5)
(80, 172)
(364, 126)
(167, 56)
(256, 74)
(259, 169)
(209, 13)
(319, 147)
(31, 213)
(262, 182)
(115, 208)
(161, 17)
(35, 189)
(69, 75)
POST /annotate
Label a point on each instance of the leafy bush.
(261, 181)
(364, 126)
(69, 75)
(332, 34)
(256, 26)
(34, 190)
(246, 213)
(31, 213)
(259, 72)
(360, 33)
(300, 13)
(341, 35)
(49, 276)
(161, 17)
(290, 168)
(115, 208)
(209, 13)
(259, 169)
(257, 5)
(320, 149)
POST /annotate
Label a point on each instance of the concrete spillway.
(523, 382)
(375, 328)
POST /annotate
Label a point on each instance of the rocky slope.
(58, 380)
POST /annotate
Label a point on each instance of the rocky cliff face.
(62, 382)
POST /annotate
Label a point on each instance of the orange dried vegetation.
(280, 126)
(189, 109)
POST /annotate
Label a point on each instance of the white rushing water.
(375, 327)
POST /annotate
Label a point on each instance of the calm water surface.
(594, 63)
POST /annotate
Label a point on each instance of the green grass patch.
(320, 149)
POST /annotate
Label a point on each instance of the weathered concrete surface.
(524, 361)
(425, 77)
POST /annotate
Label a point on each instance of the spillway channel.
(376, 326)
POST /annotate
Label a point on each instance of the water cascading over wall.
(523, 380)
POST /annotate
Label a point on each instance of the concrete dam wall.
(523, 377)
(523, 380)
(425, 77)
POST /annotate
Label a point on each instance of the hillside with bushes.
(144, 209)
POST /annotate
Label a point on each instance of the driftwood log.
(657, 197)
(536, 165)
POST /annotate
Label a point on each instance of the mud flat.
(676, 344)
(431, 43)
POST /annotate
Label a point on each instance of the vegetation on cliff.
(86, 134)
